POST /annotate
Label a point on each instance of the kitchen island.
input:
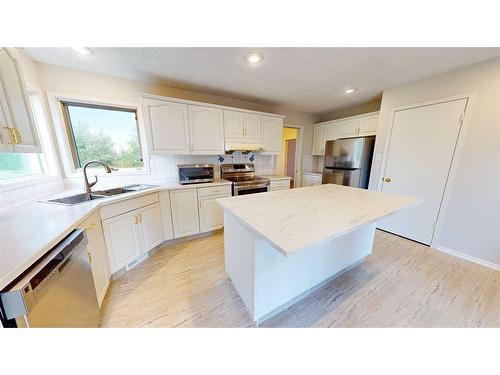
(282, 245)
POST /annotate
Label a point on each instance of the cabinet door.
(317, 136)
(306, 181)
(17, 104)
(348, 128)
(166, 216)
(233, 126)
(122, 237)
(272, 128)
(184, 205)
(206, 126)
(253, 127)
(368, 125)
(98, 256)
(167, 126)
(331, 131)
(151, 227)
(211, 214)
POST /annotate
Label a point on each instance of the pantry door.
(421, 148)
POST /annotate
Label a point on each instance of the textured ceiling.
(305, 79)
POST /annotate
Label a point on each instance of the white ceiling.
(305, 79)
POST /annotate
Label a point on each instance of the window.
(107, 134)
(15, 165)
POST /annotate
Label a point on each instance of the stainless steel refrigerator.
(348, 161)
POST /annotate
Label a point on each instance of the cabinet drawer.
(280, 184)
(214, 190)
(131, 204)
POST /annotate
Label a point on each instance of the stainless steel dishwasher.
(57, 291)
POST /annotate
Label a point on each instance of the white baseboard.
(470, 258)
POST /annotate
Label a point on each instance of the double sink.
(101, 194)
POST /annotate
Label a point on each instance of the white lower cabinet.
(311, 179)
(184, 205)
(279, 185)
(211, 214)
(166, 216)
(97, 255)
(150, 226)
(132, 234)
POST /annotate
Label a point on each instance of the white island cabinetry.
(274, 259)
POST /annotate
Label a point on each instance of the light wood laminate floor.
(402, 284)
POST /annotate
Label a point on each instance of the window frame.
(48, 159)
(54, 100)
(71, 133)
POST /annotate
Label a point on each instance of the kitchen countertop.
(294, 219)
(29, 230)
(276, 177)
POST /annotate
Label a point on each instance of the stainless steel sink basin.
(76, 199)
(86, 197)
(123, 189)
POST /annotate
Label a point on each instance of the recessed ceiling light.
(350, 91)
(82, 50)
(253, 57)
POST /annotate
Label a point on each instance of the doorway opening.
(288, 162)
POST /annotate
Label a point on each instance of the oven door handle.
(248, 187)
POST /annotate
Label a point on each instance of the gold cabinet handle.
(136, 219)
(387, 179)
(90, 258)
(140, 218)
(90, 227)
(12, 135)
(17, 135)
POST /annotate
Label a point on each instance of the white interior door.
(421, 148)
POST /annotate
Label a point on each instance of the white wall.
(472, 221)
(106, 88)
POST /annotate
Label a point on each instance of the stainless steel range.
(244, 179)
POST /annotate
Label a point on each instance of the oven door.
(250, 189)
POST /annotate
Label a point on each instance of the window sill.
(22, 182)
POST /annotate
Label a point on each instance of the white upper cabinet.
(319, 140)
(18, 132)
(184, 127)
(167, 126)
(358, 126)
(206, 130)
(253, 127)
(233, 125)
(348, 127)
(272, 129)
(368, 125)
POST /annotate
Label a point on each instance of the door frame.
(453, 170)
(298, 153)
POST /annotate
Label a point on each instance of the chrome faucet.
(88, 185)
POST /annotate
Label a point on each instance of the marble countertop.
(295, 219)
(276, 177)
(31, 229)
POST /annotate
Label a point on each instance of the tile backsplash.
(28, 193)
(164, 167)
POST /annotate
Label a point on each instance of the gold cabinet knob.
(18, 136)
(387, 179)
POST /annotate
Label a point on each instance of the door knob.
(387, 179)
